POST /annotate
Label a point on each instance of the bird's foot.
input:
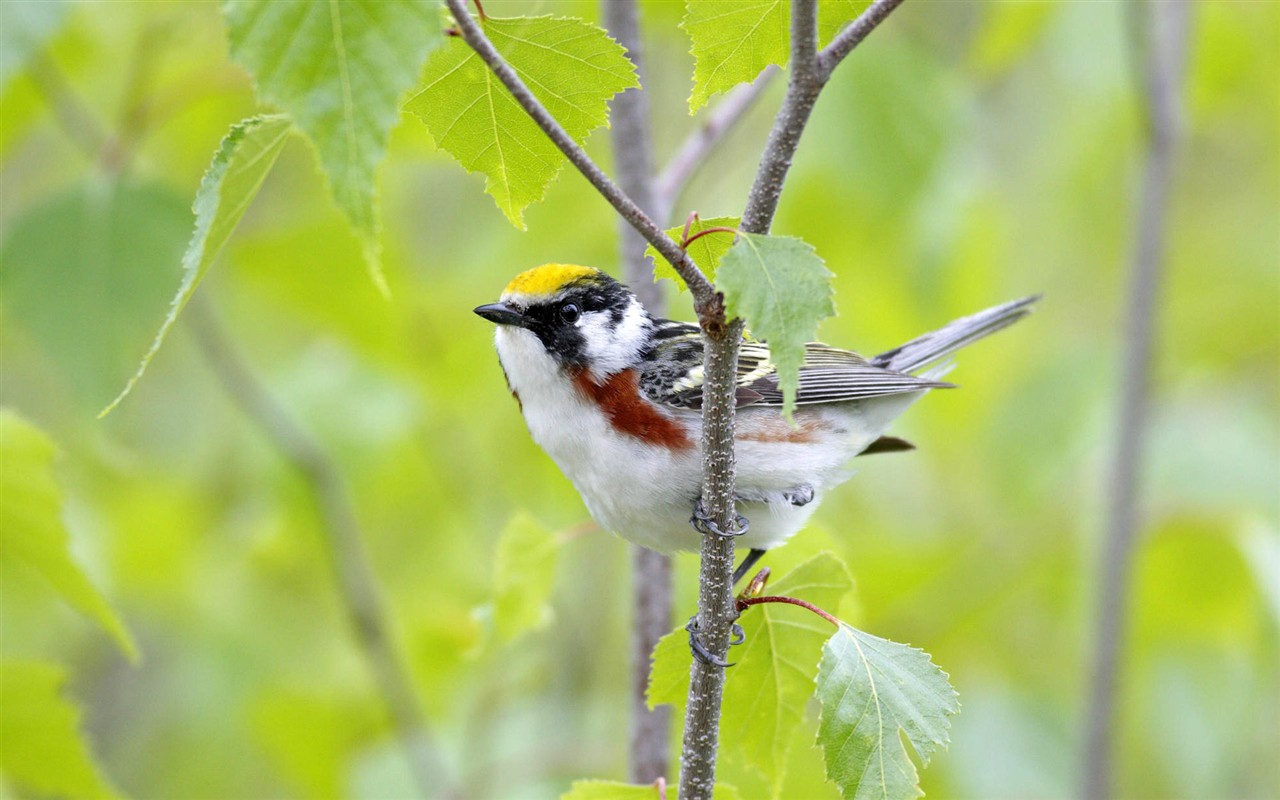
(801, 495)
(700, 652)
(704, 524)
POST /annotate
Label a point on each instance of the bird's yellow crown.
(547, 279)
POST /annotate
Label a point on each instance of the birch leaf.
(780, 286)
(734, 40)
(570, 65)
(706, 251)
(241, 164)
(41, 748)
(31, 529)
(871, 692)
(339, 69)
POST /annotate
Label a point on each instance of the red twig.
(480, 9)
(744, 602)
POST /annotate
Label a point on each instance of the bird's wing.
(673, 373)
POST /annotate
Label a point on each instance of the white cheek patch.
(527, 363)
(610, 349)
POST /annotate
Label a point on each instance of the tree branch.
(716, 608)
(810, 71)
(706, 301)
(1166, 25)
(357, 586)
(699, 144)
(649, 735)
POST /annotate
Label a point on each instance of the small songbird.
(614, 396)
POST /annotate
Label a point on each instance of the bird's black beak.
(502, 314)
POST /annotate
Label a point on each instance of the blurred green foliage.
(968, 153)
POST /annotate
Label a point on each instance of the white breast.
(645, 493)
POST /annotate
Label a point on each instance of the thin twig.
(357, 586)
(699, 144)
(720, 345)
(652, 600)
(1166, 25)
(707, 302)
(809, 72)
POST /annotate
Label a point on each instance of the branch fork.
(717, 608)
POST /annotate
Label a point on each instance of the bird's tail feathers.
(929, 348)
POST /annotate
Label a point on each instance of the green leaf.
(31, 530)
(734, 40)
(870, 689)
(570, 65)
(780, 286)
(25, 30)
(706, 252)
(41, 748)
(768, 689)
(339, 68)
(615, 790)
(524, 577)
(246, 155)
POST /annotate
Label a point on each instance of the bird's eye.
(569, 312)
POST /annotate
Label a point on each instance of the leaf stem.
(747, 602)
(688, 240)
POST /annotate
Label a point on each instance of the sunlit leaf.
(524, 577)
(229, 185)
(769, 687)
(570, 65)
(780, 286)
(734, 40)
(31, 530)
(773, 681)
(706, 251)
(871, 692)
(339, 69)
(27, 26)
(615, 790)
(41, 748)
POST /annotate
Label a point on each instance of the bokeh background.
(968, 153)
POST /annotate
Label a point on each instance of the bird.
(614, 395)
